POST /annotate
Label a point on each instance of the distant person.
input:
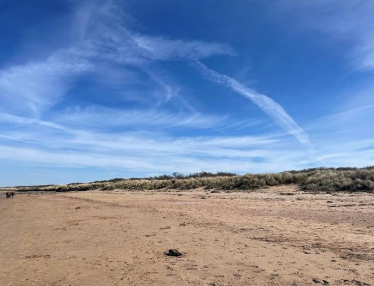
(12, 195)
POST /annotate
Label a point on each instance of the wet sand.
(277, 236)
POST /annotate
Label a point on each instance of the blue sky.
(93, 90)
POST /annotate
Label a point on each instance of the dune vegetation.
(312, 180)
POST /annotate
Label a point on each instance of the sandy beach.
(275, 236)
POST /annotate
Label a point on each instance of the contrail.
(5, 117)
(269, 106)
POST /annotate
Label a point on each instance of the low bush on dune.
(330, 180)
(312, 180)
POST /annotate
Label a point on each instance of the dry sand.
(277, 236)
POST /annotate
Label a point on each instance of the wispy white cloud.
(159, 153)
(15, 139)
(13, 119)
(345, 120)
(348, 22)
(161, 48)
(170, 91)
(117, 43)
(123, 39)
(141, 146)
(101, 118)
(156, 152)
(35, 87)
(138, 142)
(269, 106)
(149, 153)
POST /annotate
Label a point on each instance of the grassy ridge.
(314, 180)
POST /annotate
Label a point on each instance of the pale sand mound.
(276, 236)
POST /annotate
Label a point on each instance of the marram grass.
(312, 180)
